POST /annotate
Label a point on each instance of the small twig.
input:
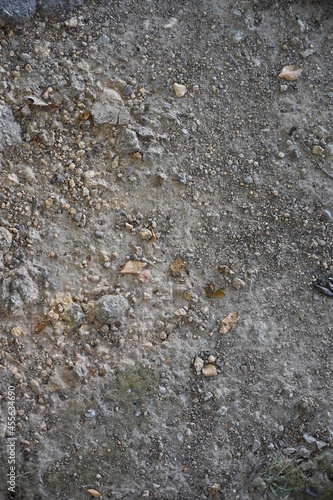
(325, 172)
(25, 473)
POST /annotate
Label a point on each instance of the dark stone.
(17, 289)
(52, 7)
(127, 142)
(17, 11)
(110, 308)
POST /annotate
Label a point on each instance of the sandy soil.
(219, 202)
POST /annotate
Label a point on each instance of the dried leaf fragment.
(224, 270)
(84, 115)
(133, 267)
(40, 326)
(179, 268)
(94, 493)
(228, 322)
(290, 73)
(212, 293)
(153, 235)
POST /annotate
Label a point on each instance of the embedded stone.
(110, 109)
(110, 308)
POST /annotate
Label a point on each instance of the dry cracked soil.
(166, 251)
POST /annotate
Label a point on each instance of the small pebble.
(237, 283)
(304, 452)
(145, 234)
(180, 312)
(182, 178)
(180, 90)
(317, 150)
(309, 439)
(198, 364)
(256, 445)
(209, 371)
(5, 238)
(326, 215)
(289, 451)
(321, 445)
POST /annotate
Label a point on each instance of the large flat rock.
(10, 131)
(110, 109)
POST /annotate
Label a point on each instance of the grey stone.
(329, 150)
(306, 53)
(18, 288)
(309, 439)
(47, 137)
(256, 445)
(52, 7)
(127, 142)
(297, 154)
(145, 133)
(110, 308)
(17, 11)
(321, 445)
(110, 109)
(238, 283)
(304, 452)
(248, 179)
(10, 131)
(289, 451)
(74, 315)
(80, 371)
(258, 484)
(35, 386)
(5, 238)
(326, 216)
(182, 177)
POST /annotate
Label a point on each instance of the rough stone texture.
(110, 109)
(18, 288)
(17, 10)
(74, 315)
(110, 308)
(51, 7)
(127, 142)
(5, 238)
(10, 131)
(124, 406)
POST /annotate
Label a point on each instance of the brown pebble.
(209, 371)
(94, 493)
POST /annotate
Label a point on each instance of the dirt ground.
(202, 369)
